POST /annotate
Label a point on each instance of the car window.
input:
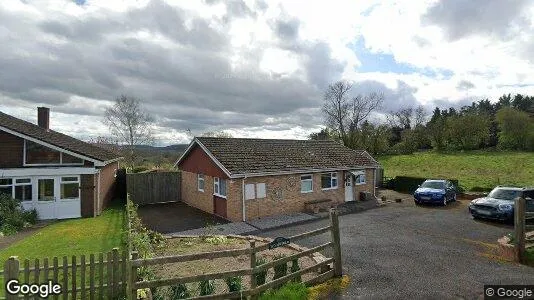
(529, 194)
(433, 185)
(504, 194)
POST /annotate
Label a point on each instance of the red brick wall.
(282, 196)
(11, 150)
(107, 184)
(197, 161)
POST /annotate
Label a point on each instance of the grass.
(71, 237)
(290, 291)
(475, 170)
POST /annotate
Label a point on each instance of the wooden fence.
(83, 277)
(520, 227)
(325, 272)
(155, 187)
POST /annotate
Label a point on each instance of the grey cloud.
(321, 67)
(461, 18)
(420, 41)
(287, 30)
(394, 99)
(464, 85)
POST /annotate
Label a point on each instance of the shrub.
(179, 291)
(280, 270)
(12, 216)
(290, 291)
(295, 268)
(206, 287)
(234, 284)
(262, 275)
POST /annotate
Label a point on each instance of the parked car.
(499, 203)
(437, 191)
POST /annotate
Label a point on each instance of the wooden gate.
(156, 187)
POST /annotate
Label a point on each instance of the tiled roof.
(246, 156)
(55, 138)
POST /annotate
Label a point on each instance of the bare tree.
(129, 124)
(420, 116)
(344, 115)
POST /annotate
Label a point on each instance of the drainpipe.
(243, 192)
(98, 195)
(374, 183)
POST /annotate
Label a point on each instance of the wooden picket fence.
(325, 272)
(84, 277)
(520, 228)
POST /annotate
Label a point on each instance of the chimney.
(43, 117)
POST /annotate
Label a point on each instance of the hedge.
(407, 184)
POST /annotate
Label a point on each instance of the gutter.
(243, 192)
(298, 171)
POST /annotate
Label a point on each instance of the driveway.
(402, 251)
(175, 217)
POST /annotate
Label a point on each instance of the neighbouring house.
(242, 179)
(60, 176)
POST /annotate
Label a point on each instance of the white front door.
(68, 203)
(47, 192)
(349, 196)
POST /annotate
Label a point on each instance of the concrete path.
(240, 228)
(282, 220)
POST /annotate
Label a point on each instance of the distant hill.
(179, 148)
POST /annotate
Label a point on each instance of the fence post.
(132, 278)
(334, 222)
(11, 271)
(519, 228)
(253, 267)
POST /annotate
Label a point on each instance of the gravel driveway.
(402, 251)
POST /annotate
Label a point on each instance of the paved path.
(401, 251)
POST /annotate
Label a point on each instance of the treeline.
(507, 124)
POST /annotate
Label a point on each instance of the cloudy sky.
(257, 68)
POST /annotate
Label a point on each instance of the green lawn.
(473, 169)
(72, 237)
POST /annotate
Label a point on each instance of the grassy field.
(71, 237)
(473, 169)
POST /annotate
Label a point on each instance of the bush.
(234, 284)
(280, 270)
(261, 276)
(290, 291)
(206, 287)
(12, 216)
(179, 291)
(295, 268)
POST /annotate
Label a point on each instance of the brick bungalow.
(243, 179)
(58, 175)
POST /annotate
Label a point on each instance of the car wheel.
(454, 197)
(444, 200)
(416, 202)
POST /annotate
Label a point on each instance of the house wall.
(198, 161)
(11, 151)
(192, 196)
(368, 186)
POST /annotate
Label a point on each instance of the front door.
(219, 206)
(349, 196)
(46, 197)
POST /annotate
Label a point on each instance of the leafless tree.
(420, 116)
(343, 114)
(130, 124)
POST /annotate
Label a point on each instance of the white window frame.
(51, 164)
(217, 187)
(310, 180)
(200, 177)
(15, 184)
(12, 185)
(61, 182)
(358, 182)
(333, 175)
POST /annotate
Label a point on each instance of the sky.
(254, 68)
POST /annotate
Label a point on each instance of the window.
(360, 179)
(6, 186)
(37, 154)
(45, 190)
(306, 183)
(23, 189)
(200, 182)
(260, 190)
(249, 191)
(219, 187)
(70, 188)
(329, 181)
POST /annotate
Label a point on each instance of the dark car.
(436, 191)
(499, 203)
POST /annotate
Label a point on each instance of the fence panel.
(155, 187)
(72, 275)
